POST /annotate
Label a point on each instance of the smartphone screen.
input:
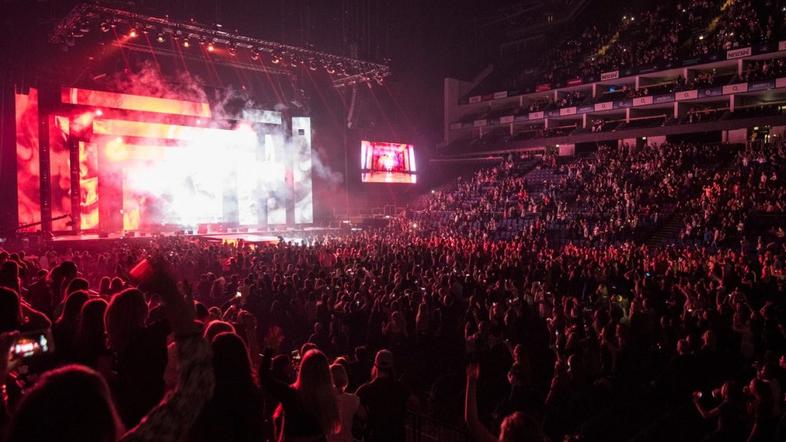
(32, 344)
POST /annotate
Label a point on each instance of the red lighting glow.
(143, 172)
(132, 33)
(27, 158)
(86, 97)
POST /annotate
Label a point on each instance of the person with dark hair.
(281, 369)
(9, 276)
(77, 284)
(320, 337)
(516, 427)
(103, 287)
(385, 400)
(729, 413)
(10, 310)
(64, 328)
(359, 368)
(235, 413)
(90, 347)
(140, 352)
(116, 285)
(15, 315)
(61, 276)
(74, 404)
(216, 327)
(760, 410)
(40, 293)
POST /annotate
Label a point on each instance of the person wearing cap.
(386, 400)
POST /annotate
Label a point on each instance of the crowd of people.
(671, 31)
(477, 309)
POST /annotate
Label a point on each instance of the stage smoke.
(214, 173)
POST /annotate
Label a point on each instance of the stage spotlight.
(99, 112)
(186, 43)
(132, 33)
(160, 38)
(210, 47)
(255, 55)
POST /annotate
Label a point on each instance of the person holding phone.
(73, 403)
(515, 427)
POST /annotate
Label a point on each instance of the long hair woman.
(236, 411)
(64, 328)
(73, 403)
(310, 405)
(90, 346)
(140, 351)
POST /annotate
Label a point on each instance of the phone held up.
(31, 345)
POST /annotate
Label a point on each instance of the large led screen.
(137, 171)
(27, 159)
(385, 162)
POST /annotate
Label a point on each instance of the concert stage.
(273, 236)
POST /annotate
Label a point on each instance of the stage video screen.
(138, 175)
(385, 162)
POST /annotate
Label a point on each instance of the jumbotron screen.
(385, 162)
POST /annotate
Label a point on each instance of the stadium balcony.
(670, 34)
(730, 95)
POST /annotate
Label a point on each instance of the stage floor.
(254, 237)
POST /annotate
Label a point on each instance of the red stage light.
(99, 112)
(132, 33)
(186, 44)
(103, 99)
(210, 47)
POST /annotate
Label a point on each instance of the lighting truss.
(344, 71)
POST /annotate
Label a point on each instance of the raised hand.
(473, 372)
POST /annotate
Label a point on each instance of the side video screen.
(385, 162)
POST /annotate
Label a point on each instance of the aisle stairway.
(668, 231)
